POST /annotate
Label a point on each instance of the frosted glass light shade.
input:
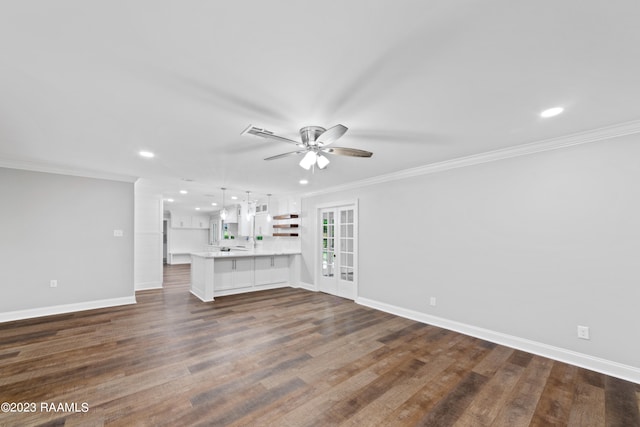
(223, 214)
(308, 160)
(322, 161)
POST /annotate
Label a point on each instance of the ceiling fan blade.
(331, 135)
(252, 130)
(343, 151)
(292, 153)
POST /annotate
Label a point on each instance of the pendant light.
(268, 207)
(248, 215)
(223, 212)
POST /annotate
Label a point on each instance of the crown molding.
(37, 167)
(594, 135)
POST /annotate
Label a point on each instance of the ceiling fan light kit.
(322, 161)
(313, 144)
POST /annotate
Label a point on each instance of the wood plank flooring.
(284, 357)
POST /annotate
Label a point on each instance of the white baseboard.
(226, 292)
(195, 293)
(145, 286)
(307, 286)
(66, 308)
(608, 367)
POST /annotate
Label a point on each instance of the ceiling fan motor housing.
(309, 134)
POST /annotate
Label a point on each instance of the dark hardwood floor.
(284, 357)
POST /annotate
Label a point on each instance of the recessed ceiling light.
(197, 209)
(234, 197)
(552, 112)
(303, 182)
(214, 204)
(183, 191)
(170, 200)
(147, 154)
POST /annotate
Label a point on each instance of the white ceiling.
(85, 85)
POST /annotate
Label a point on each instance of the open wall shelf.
(286, 216)
(288, 229)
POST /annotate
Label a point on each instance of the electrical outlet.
(583, 332)
(432, 301)
(53, 283)
(118, 233)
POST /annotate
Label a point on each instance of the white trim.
(308, 286)
(608, 367)
(66, 308)
(226, 292)
(256, 288)
(37, 167)
(337, 204)
(145, 286)
(621, 129)
(195, 293)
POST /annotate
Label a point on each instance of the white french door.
(338, 244)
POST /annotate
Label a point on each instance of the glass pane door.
(346, 244)
(328, 243)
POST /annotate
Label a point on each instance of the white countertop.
(241, 253)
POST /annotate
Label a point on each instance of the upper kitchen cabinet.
(200, 221)
(179, 220)
(232, 214)
(262, 225)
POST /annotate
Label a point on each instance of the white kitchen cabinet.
(201, 222)
(180, 221)
(263, 270)
(216, 275)
(263, 227)
(280, 268)
(222, 273)
(271, 269)
(233, 273)
(243, 274)
(232, 214)
(189, 221)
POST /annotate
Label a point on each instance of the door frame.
(318, 239)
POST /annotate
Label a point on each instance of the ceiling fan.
(314, 144)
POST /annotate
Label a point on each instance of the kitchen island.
(215, 274)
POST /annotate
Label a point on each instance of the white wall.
(148, 237)
(526, 248)
(62, 227)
